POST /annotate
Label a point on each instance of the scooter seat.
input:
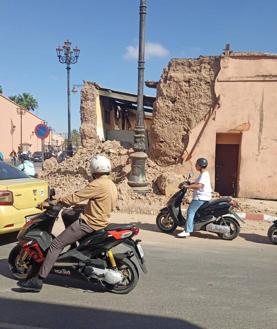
(99, 233)
(116, 227)
(213, 202)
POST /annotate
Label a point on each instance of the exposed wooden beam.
(147, 100)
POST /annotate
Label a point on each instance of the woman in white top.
(201, 193)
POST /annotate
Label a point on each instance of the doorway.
(227, 164)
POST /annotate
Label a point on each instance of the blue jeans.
(192, 209)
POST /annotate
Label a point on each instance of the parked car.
(19, 196)
(48, 155)
(37, 156)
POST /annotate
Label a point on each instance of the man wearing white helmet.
(101, 194)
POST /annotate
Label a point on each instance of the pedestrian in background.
(26, 165)
(13, 157)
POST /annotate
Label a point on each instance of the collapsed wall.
(74, 173)
(185, 95)
(88, 114)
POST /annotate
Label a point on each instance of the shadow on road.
(154, 228)
(35, 315)
(147, 226)
(253, 237)
(4, 269)
(54, 280)
(8, 238)
(204, 235)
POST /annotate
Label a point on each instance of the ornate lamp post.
(137, 179)
(68, 56)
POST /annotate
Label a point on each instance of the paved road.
(201, 282)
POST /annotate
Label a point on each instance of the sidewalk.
(257, 217)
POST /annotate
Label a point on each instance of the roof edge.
(11, 101)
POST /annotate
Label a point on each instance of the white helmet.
(99, 164)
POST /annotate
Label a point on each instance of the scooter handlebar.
(184, 184)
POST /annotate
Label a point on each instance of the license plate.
(140, 250)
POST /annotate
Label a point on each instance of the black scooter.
(272, 233)
(91, 259)
(217, 216)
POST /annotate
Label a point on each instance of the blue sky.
(106, 31)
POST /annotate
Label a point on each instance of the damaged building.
(111, 115)
(222, 108)
(219, 107)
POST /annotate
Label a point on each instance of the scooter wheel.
(234, 228)
(272, 234)
(22, 267)
(130, 275)
(165, 223)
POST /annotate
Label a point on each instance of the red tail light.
(118, 235)
(6, 198)
(135, 230)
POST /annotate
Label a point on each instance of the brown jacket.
(102, 195)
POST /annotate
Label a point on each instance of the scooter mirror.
(187, 177)
(52, 192)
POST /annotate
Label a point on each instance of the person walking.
(202, 192)
(13, 157)
(26, 165)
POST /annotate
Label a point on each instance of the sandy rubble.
(73, 174)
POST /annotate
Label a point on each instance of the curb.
(258, 217)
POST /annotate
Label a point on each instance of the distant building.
(54, 142)
(12, 121)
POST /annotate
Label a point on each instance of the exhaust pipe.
(217, 228)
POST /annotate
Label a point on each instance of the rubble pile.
(73, 174)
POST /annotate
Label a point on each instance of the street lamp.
(76, 88)
(68, 56)
(136, 178)
(21, 111)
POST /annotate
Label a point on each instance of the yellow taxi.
(19, 196)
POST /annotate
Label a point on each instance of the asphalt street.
(192, 283)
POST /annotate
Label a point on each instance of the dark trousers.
(71, 234)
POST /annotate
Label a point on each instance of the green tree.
(76, 138)
(25, 100)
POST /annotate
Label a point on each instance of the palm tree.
(25, 100)
(76, 138)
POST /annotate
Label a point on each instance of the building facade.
(17, 126)
(223, 108)
(240, 139)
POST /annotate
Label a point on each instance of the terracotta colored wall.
(9, 117)
(247, 87)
